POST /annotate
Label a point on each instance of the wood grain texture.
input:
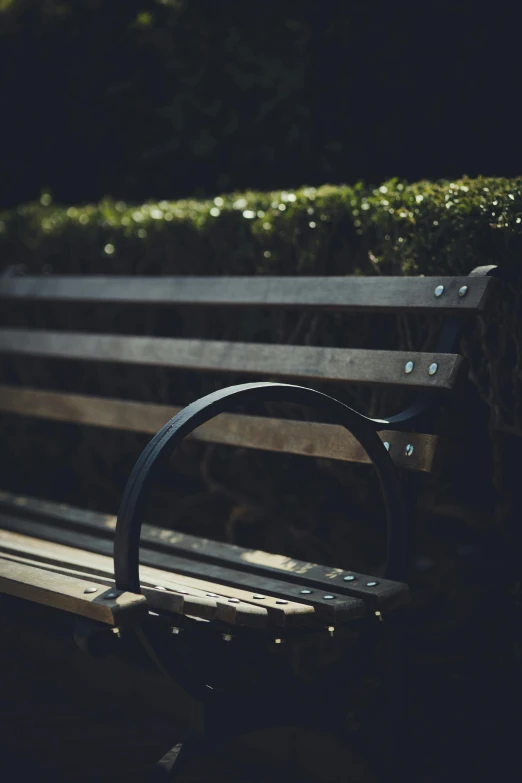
(382, 594)
(69, 594)
(396, 294)
(205, 552)
(344, 608)
(288, 361)
(258, 432)
(177, 594)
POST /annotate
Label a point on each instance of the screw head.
(91, 590)
(159, 587)
(212, 595)
(408, 367)
(463, 290)
(349, 578)
(386, 445)
(281, 602)
(432, 369)
(372, 584)
(305, 592)
(233, 600)
(259, 597)
(439, 290)
(409, 450)
(328, 597)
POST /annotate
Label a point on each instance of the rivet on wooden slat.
(408, 367)
(349, 578)
(372, 584)
(328, 597)
(463, 290)
(259, 597)
(306, 592)
(409, 450)
(439, 290)
(386, 445)
(90, 589)
(432, 369)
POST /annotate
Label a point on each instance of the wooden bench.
(86, 563)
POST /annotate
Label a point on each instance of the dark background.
(169, 98)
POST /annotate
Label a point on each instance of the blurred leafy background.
(171, 98)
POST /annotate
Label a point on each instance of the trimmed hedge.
(426, 228)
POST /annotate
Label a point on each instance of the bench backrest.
(434, 373)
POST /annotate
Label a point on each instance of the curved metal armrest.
(135, 495)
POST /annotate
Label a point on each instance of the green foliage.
(422, 228)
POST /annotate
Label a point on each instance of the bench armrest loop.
(135, 495)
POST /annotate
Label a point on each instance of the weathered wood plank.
(348, 365)
(397, 294)
(161, 599)
(178, 594)
(258, 432)
(342, 609)
(86, 598)
(381, 593)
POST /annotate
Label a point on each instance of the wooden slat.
(268, 434)
(208, 553)
(289, 361)
(166, 591)
(331, 293)
(69, 594)
(161, 599)
(342, 609)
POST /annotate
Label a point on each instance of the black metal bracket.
(423, 411)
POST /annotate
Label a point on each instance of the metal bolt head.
(463, 290)
(372, 584)
(432, 369)
(305, 592)
(408, 367)
(386, 445)
(91, 590)
(111, 595)
(159, 587)
(259, 597)
(409, 450)
(233, 600)
(212, 595)
(349, 578)
(439, 290)
(328, 597)
(281, 602)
